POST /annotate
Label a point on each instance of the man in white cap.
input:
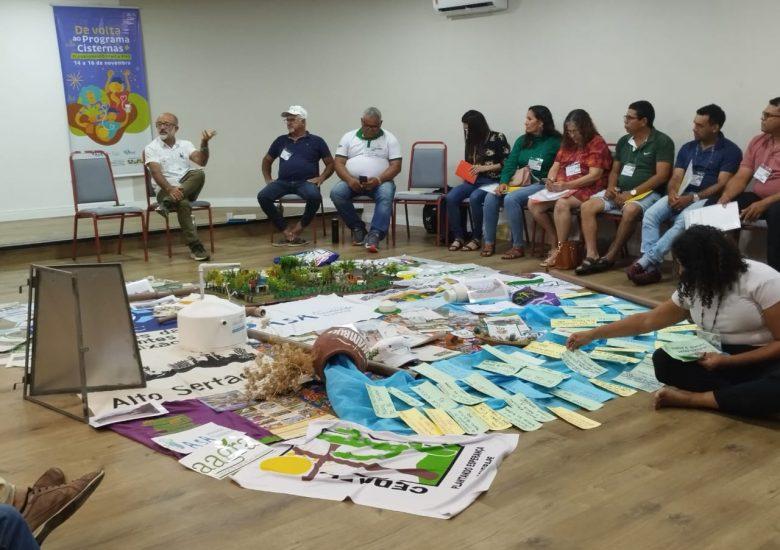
(299, 154)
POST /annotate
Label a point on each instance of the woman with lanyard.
(737, 304)
(530, 160)
(486, 151)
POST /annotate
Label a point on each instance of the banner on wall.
(104, 76)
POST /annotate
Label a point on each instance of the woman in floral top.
(486, 151)
(580, 170)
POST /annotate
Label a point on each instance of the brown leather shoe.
(52, 476)
(47, 507)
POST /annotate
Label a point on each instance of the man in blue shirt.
(702, 168)
(299, 154)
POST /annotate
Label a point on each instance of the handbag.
(521, 178)
(569, 255)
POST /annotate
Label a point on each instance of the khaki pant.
(191, 186)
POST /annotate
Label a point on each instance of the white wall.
(235, 65)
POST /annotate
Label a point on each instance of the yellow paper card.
(550, 349)
(494, 420)
(617, 389)
(680, 328)
(576, 294)
(575, 419)
(640, 196)
(416, 421)
(468, 420)
(576, 322)
(444, 422)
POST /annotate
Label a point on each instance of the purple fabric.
(184, 415)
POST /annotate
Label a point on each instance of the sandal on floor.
(472, 245)
(488, 250)
(513, 253)
(586, 267)
(550, 260)
(457, 244)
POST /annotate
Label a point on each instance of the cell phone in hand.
(363, 180)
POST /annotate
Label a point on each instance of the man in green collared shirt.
(643, 162)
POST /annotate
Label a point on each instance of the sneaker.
(646, 277)
(198, 253)
(372, 241)
(47, 507)
(358, 236)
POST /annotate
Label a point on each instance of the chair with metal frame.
(152, 205)
(427, 171)
(92, 180)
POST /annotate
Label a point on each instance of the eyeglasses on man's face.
(767, 116)
(159, 124)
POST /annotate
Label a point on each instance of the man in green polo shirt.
(643, 162)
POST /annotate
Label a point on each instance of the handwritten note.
(456, 393)
(529, 408)
(577, 322)
(579, 362)
(577, 294)
(419, 423)
(498, 367)
(469, 421)
(577, 399)
(432, 372)
(575, 419)
(633, 345)
(617, 389)
(380, 400)
(612, 357)
(490, 417)
(444, 422)
(434, 396)
(689, 349)
(688, 327)
(483, 385)
(539, 375)
(405, 397)
(518, 358)
(550, 349)
(519, 418)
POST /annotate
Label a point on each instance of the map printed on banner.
(434, 477)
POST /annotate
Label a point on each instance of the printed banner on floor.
(437, 477)
(173, 374)
(104, 76)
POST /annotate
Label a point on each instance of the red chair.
(93, 182)
(427, 171)
(151, 206)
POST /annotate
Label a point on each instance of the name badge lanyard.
(709, 160)
(715, 317)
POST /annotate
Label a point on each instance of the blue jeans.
(14, 532)
(279, 188)
(513, 208)
(383, 195)
(655, 246)
(476, 196)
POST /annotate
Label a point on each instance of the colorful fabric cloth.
(184, 415)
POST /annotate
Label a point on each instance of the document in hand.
(463, 171)
(716, 216)
(547, 196)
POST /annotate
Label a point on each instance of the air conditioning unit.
(455, 8)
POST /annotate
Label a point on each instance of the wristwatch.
(632, 192)
(695, 197)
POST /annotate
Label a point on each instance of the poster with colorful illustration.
(437, 477)
(104, 76)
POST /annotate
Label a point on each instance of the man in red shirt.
(761, 169)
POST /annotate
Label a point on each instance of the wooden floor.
(645, 479)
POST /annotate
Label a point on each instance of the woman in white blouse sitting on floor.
(733, 300)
